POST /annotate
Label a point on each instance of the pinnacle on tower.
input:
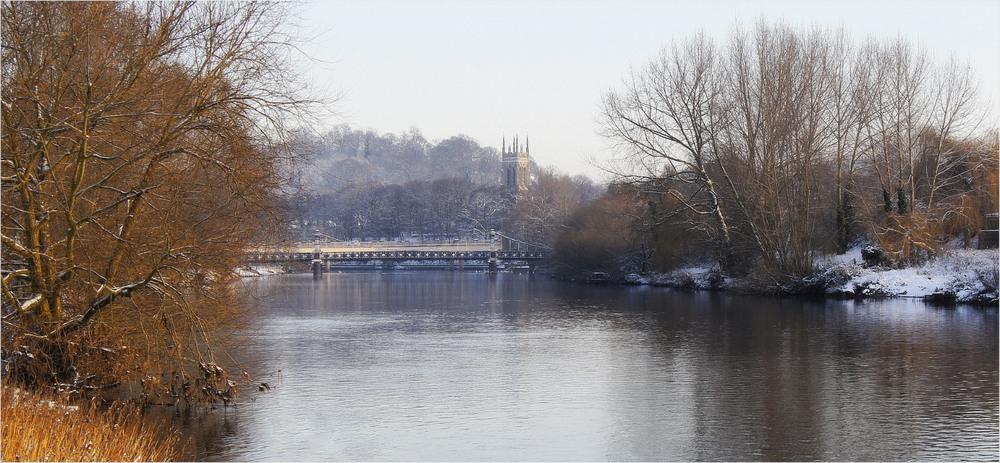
(516, 165)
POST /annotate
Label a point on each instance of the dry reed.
(40, 428)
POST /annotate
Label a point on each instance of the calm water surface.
(464, 366)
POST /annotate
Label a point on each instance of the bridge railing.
(513, 244)
(502, 246)
(304, 256)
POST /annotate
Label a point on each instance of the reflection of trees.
(782, 380)
(669, 375)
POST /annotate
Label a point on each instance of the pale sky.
(488, 69)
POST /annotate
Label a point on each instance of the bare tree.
(487, 209)
(666, 118)
(751, 135)
(737, 138)
(772, 151)
(925, 116)
(955, 110)
(141, 155)
(538, 215)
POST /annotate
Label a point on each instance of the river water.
(467, 366)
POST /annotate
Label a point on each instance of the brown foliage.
(957, 187)
(538, 214)
(139, 160)
(909, 238)
(602, 236)
(674, 240)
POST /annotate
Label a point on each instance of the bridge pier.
(317, 263)
(317, 269)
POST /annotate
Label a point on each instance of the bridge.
(502, 252)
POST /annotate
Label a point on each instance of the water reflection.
(460, 366)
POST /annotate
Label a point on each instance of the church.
(516, 166)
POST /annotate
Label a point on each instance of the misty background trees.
(364, 185)
(361, 184)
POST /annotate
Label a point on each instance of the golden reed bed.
(42, 428)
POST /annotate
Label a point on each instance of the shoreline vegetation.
(144, 146)
(44, 427)
(966, 276)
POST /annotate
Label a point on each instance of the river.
(447, 366)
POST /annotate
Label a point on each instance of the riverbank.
(258, 270)
(43, 428)
(957, 276)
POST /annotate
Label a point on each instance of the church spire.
(526, 148)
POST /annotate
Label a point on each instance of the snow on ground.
(699, 276)
(966, 274)
(18, 395)
(258, 270)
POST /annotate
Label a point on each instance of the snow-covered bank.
(699, 277)
(258, 270)
(958, 275)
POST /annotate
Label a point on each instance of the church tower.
(516, 166)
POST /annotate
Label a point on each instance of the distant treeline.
(442, 208)
(344, 157)
(369, 185)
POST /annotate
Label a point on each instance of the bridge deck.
(376, 246)
(405, 250)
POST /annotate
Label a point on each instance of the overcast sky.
(538, 68)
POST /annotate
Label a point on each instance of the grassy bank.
(41, 428)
